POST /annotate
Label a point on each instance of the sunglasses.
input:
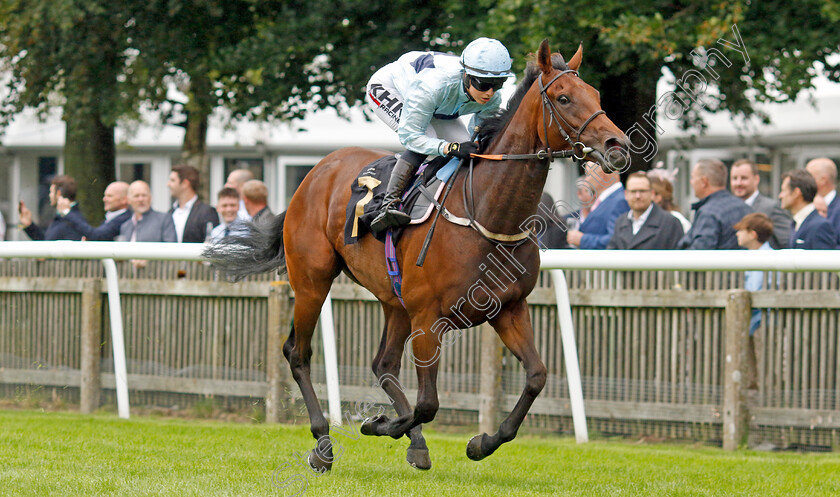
(483, 85)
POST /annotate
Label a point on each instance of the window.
(47, 169)
(133, 171)
(255, 165)
(294, 176)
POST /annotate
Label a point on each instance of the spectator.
(2, 227)
(754, 232)
(117, 212)
(716, 211)
(744, 180)
(227, 207)
(191, 215)
(663, 195)
(824, 171)
(59, 229)
(255, 195)
(809, 229)
(146, 224)
(647, 226)
(820, 205)
(596, 230)
(236, 180)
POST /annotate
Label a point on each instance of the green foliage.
(622, 39)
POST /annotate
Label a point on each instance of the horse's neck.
(507, 192)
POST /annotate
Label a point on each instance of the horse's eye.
(563, 99)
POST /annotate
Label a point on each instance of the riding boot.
(389, 215)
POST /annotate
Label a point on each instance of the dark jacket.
(713, 224)
(780, 217)
(599, 225)
(108, 230)
(262, 215)
(59, 229)
(815, 233)
(660, 231)
(196, 230)
(833, 215)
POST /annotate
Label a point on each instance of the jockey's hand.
(461, 150)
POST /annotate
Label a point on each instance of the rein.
(578, 151)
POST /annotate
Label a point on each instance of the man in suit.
(716, 212)
(255, 196)
(193, 218)
(743, 182)
(60, 187)
(146, 224)
(810, 230)
(117, 212)
(236, 180)
(599, 225)
(824, 171)
(647, 226)
(227, 205)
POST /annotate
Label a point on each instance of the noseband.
(579, 150)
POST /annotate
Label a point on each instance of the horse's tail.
(258, 251)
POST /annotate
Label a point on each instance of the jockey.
(421, 96)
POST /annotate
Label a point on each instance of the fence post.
(490, 396)
(277, 399)
(735, 413)
(91, 383)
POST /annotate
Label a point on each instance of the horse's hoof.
(370, 425)
(474, 451)
(419, 458)
(317, 463)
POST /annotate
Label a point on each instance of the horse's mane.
(493, 125)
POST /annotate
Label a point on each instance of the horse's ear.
(544, 57)
(574, 63)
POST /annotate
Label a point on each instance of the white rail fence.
(555, 260)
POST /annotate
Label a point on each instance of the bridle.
(578, 150)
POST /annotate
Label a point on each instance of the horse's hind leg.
(386, 367)
(311, 284)
(513, 324)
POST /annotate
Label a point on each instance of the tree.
(70, 54)
(627, 45)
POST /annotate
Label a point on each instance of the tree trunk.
(194, 149)
(629, 100)
(89, 157)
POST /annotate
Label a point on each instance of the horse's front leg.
(513, 325)
(424, 348)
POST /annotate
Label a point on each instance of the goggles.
(483, 85)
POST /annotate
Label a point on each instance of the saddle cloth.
(368, 190)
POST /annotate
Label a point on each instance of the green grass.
(55, 454)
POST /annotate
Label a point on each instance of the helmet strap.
(466, 82)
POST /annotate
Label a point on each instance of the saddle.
(368, 191)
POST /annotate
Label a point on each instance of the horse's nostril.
(616, 154)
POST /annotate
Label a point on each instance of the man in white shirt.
(646, 226)
(227, 206)
(193, 218)
(597, 229)
(824, 171)
(236, 180)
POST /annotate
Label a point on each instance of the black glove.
(462, 150)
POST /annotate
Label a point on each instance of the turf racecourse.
(55, 454)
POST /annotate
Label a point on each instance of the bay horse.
(454, 289)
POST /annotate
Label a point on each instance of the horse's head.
(572, 115)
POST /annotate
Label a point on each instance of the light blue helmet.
(486, 58)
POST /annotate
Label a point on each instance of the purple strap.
(393, 266)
